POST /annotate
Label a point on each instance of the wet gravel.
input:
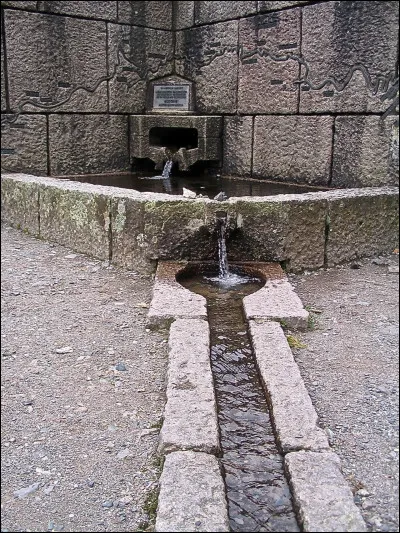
(82, 391)
(350, 367)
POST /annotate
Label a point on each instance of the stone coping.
(66, 184)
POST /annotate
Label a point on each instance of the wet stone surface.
(258, 495)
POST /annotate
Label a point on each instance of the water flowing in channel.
(258, 494)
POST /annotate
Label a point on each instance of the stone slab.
(171, 300)
(238, 136)
(350, 51)
(362, 225)
(76, 219)
(192, 494)
(106, 10)
(190, 413)
(266, 5)
(208, 56)
(321, 494)
(293, 148)
(183, 14)
(21, 4)
(136, 55)
(3, 75)
(85, 144)
(292, 412)
(276, 300)
(366, 151)
(20, 204)
(210, 11)
(24, 144)
(154, 14)
(269, 66)
(62, 66)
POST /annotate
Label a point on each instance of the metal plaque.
(171, 97)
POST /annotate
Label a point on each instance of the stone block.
(205, 126)
(170, 300)
(190, 414)
(210, 11)
(20, 203)
(75, 218)
(84, 144)
(24, 144)
(293, 148)
(87, 9)
(192, 494)
(276, 300)
(60, 67)
(321, 494)
(350, 54)
(3, 76)
(292, 412)
(237, 147)
(362, 223)
(366, 152)
(269, 65)
(183, 14)
(265, 5)
(208, 56)
(153, 14)
(21, 4)
(136, 55)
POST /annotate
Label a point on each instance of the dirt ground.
(83, 386)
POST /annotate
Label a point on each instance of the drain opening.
(174, 138)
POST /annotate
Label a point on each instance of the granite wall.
(308, 91)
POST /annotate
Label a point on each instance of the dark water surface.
(258, 493)
(206, 185)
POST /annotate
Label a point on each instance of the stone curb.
(192, 494)
(171, 300)
(293, 414)
(190, 414)
(322, 496)
(276, 301)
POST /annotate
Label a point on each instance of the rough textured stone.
(210, 11)
(20, 203)
(153, 14)
(183, 14)
(75, 218)
(265, 5)
(136, 55)
(208, 56)
(24, 145)
(170, 300)
(269, 66)
(238, 136)
(292, 412)
(366, 152)
(362, 225)
(3, 75)
(289, 229)
(190, 414)
(276, 300)
(21, 4)
(81, 144)
(61, 66)
(99, 9)
(322, 496)
(192, 495)
(293, 148)
(355, 47)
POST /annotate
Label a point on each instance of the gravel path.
(350, 367)
(82, 390)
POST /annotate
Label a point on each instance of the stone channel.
(197, 487)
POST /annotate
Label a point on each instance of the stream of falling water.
(258, 494)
